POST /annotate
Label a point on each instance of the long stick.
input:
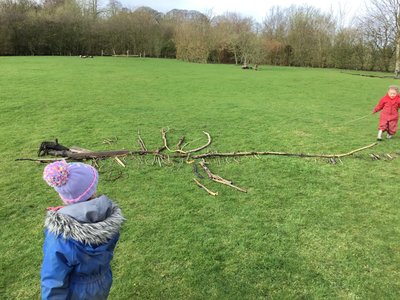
(255, 153)
(41, 160)
(360, 118)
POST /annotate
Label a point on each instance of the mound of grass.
(305, 229)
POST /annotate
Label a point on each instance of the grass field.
(306, 229)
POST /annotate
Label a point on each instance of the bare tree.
(192, 37)
(235, 34)
(381, 26)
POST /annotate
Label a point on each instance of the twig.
(218, 178)
(205, 188)
(141, 143)
(76, 149)
(180, 142)
(95, 163)
(110, 141)
(354, 151)
(188, 143)
(360, 118)
(119, 162)
(202, 147)
(109, 178)
(41, 160)
(164, 138)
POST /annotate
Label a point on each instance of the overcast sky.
(247, 8)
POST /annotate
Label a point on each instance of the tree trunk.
(397, 67)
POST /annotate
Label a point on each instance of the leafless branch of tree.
(58, 150)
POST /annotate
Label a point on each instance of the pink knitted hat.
(74, 182)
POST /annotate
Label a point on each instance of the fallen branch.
(68, 154)
(78, 154)
(257, 153)
(205, 188)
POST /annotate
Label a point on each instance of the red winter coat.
(389, 108)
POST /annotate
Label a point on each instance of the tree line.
(293, 36)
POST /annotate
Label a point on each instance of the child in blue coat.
(80, 237)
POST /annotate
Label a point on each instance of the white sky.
(248, 8)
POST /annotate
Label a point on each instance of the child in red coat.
(388, 106)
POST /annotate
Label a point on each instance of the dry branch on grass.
(179, 145)
(77, 153)
(205, 188)
(260, 153)
(218, 178)
(141, 143)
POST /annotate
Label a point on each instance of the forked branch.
(180, 142)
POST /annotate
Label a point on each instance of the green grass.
(305, 229)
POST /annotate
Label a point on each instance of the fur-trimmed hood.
(93, 222)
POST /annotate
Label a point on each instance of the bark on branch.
(258, 153)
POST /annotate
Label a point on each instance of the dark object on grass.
(196, 172)
(46, 146)
(371, 75)
(247, 67)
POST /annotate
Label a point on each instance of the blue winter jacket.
(78, 248)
